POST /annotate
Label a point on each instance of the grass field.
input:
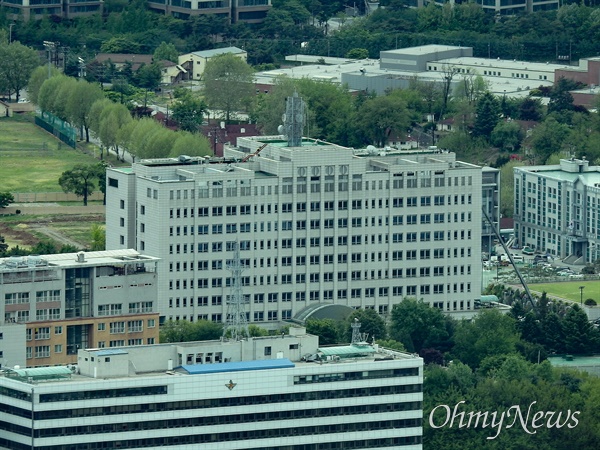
(570, 289)
(32, 160)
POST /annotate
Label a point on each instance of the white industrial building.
(557, 209)
(316, 224)
(253, 394)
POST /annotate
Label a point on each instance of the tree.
(417, 325)
(357, 53)
(97, 237)
(228, 82)
(148, 77)
(189, 112)
(37, 78)
(326, 329)
(166, 52)
(3, 246)
(16, 65)
(507, 194)
(548, 138)
(186, 331)
(530, 109)
(381, 116)
(79, 104)
(6, 198)
(190, 144)
(113, 118)
(80, 180)
(487, 115)
(507, 135)
(489, 334)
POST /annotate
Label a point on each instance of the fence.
(45, 197)
(57, 127)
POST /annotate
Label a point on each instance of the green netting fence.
(58, 127)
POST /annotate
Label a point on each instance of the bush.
(590, 302)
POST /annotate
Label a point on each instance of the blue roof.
(242, 366)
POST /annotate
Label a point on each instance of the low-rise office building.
(261, 393)
(556, 209)
(53, 305)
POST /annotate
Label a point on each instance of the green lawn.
(570, 289)
(32, 160)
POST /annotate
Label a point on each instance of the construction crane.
(251, 155)
(509, 255)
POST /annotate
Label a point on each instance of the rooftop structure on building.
(268, 393)
(54, 305)
(317, 225)
(398, 68)
(555, 209)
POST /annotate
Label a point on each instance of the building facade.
(36, 9)
(195, 62)
(54, 305)
(556, 209)
(253, 394)
(316, 223)
(249, 11)
(490, 192)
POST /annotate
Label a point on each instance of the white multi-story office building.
(53, 305)
(251, 394)
(316, 223)
(556, 209)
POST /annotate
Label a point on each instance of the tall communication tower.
(236, 322)
(294, 120)
(357, 337)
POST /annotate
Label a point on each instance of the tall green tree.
(487, 115)
(79, 104)
(507, 135)
(371, 324)
(381, 116)
(228, 84)
(37, 78)
(97, 237)
(190, 144)
(17, 62)
(417, 325)
(189, 111)
(548, 138)
(112, 119)
(148, 78)
(490, 333)
(166, 52)
(80, 180)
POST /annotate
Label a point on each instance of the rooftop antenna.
(294, 120)
(236, 322)
(357, 337)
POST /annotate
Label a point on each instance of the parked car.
(527, 251)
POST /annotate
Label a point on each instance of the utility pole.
(50, 46)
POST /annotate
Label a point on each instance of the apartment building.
(249, 11)
(252, 394)
(315, 223)
(556, 209)
(54, 305)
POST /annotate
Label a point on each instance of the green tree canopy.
(17, 62)
(190, 144)
(417, 325)
(79, 104)
(166, 52)
(189, 111)
(80, 180)
(37, 78)
(487, 115)
(228, 84)
(371, 324)
(490, 333)
(6, 198)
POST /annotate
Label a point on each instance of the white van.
(518, 259)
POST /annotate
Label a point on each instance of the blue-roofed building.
(260, 393)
